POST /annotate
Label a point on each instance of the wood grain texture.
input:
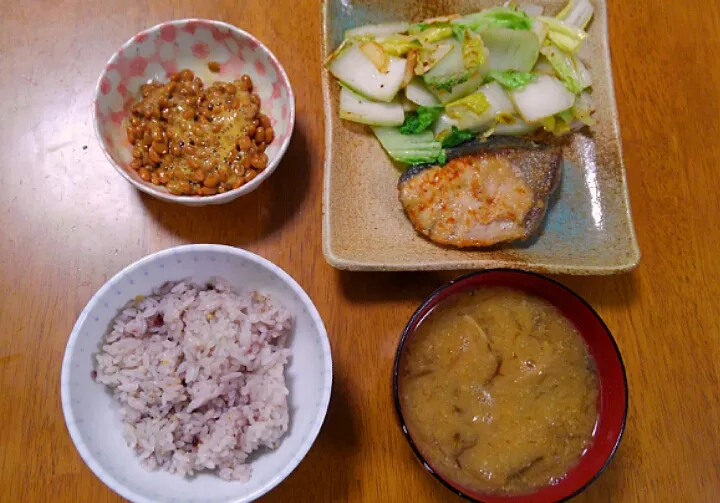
(68, 222)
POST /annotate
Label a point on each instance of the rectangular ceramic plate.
(588, 229)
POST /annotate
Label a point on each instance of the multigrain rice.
(199, 374)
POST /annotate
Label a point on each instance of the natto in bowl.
(160, 51)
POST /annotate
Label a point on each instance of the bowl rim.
(65, 385)
(216, 198)
(407, 331)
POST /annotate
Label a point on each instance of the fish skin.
(489, 191)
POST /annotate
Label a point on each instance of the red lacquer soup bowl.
(612, 381)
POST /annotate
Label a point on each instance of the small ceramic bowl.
(158, 52)
(612, 398)
(93, 416)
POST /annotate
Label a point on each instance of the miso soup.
(498, 391)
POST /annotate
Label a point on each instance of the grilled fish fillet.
(489, 192)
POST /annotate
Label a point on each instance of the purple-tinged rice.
(199, 374)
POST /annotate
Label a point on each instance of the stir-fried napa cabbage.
(434, 84)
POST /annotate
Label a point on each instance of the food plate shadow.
(606, 486)
(249, 218)
(392, 286)
(338, 439)
(332, 453)
(604, 292)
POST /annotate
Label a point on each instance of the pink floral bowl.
(160, 51)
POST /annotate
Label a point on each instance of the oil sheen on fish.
(489, 192)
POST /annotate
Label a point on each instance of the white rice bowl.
(263, 372)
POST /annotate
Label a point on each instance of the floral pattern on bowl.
(158, 52)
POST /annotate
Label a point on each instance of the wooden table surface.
(68, 222)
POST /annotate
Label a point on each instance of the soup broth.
(498, 391)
